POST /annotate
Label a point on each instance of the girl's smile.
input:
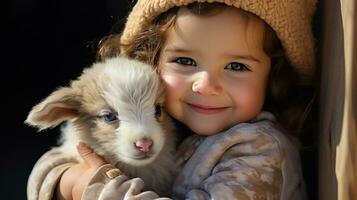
(205, 109)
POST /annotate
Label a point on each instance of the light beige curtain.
(338, 102)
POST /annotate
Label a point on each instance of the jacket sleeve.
(46, 173)
(245, 162)
(104, 187)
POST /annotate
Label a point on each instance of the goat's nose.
(144, 145)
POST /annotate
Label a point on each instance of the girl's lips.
(206, 109)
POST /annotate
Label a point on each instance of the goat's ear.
(61, 105)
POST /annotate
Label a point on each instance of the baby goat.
(115, 107)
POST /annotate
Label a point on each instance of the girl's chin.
(205, 130)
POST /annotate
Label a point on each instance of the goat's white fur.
(124, 86)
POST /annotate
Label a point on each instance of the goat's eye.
(109, 117)
(158, 113)
(157, 110)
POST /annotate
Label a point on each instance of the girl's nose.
(206, 84)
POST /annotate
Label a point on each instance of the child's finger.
(89, 156)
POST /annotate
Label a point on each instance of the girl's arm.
(106, 182)
(57, 175)
(47, 173)
(76, 178)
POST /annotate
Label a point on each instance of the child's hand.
(75, 179)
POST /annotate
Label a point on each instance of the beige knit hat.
(290, 19)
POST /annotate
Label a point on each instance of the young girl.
(224, 65)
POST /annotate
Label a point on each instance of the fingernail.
(81, 145)
(83, 149)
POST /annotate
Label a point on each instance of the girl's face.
(215, 69)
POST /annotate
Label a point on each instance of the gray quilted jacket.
(248, 161)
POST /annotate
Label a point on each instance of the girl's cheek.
(249, 95)
(172, 78)
(173, 94)
(172, 83)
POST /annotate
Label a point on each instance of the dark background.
(47, 43)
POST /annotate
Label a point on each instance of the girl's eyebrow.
(244, 57)
(177, 50)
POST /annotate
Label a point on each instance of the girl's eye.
(109, 117)
(235, 66)
(185, 61)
